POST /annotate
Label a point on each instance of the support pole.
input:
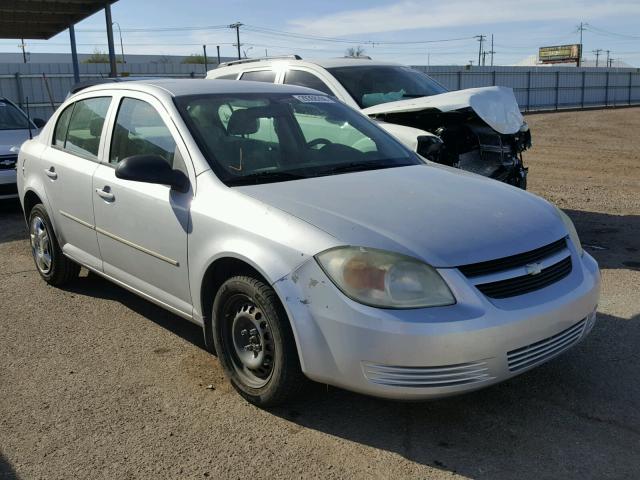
(74, 54)
(112, 50)
(204, 49)
(218, 48)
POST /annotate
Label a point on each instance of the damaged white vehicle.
(480, 130)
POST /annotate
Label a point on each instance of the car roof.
(188, 86)
(253, 64)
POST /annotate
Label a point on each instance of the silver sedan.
(306, 241)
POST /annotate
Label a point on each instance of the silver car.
(14, 129)
(304, 239)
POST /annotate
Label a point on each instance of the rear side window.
(268, 76)
(60, 133)
(85, 127)
(139, 130)
(306, 79)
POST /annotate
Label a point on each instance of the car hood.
(497, 106)
(442, 215)
(10, 140)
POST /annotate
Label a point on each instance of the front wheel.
(255, 343)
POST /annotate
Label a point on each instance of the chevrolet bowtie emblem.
(533, 268)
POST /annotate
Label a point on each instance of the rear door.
(69, 163)
(142, 228)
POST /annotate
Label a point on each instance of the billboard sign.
(559, 53)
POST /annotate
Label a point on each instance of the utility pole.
(597, 53)
(23, 46)
(481, 40)
(484, 58)
(237, 26)
(204, 50)
(608, 52)
(492, 51)
(581, 29)
(218, 48)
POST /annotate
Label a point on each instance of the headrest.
(243, 122)
(95, 127)
(246, 121)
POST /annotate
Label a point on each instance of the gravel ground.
(97, 383)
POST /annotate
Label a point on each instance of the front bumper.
(8, 187)
(435, 352)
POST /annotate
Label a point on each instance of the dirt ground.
(97, 383)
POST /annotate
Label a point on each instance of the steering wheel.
(318, 141)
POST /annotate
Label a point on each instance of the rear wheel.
(52, 265)
(255, 343)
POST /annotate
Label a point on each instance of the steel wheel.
(40, 244)
(248, 338)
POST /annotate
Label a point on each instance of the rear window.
(85, 127)
(231, 76)
(306, 79)
(268, 76)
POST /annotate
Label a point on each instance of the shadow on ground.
(12, 225)
(6, 470)
(566, 419)
(614, 240)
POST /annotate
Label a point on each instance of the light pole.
(121, 46)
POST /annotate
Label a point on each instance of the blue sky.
(519, 28)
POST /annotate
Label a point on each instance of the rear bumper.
(435, 352)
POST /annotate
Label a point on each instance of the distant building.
(532, 61)
(33, 57)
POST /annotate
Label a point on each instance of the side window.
(268, 76)
(306, 79)
(139, 130)
(85, 126)
(231, 76)
(60, 133)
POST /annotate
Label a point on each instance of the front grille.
(8, 162)
(541, 351)
(514, 261)
(526, 283)
(8, 189)
(425, 377)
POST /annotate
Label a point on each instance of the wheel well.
(31, 199)
(217, 273)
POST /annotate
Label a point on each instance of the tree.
(355, 51)
(194, 58)
(97, 57)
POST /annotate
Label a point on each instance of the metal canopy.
(42, 19)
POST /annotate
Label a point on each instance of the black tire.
(58, 270)
(241, 303)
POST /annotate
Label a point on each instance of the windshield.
(261, 138)
(11, 118)
(375, 84)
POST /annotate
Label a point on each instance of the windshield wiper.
(361, 167)
(413, 95)
(263, 177)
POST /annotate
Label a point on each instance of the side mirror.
(152, 169)
(38, 122)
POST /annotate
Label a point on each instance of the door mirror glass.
(152, 168)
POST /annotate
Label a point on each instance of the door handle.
(51, 173)
(105, 193)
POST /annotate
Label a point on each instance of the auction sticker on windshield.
(313, 98)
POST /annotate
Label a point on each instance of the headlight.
(384, 279)
(573, 234)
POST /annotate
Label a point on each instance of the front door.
(142, 228)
